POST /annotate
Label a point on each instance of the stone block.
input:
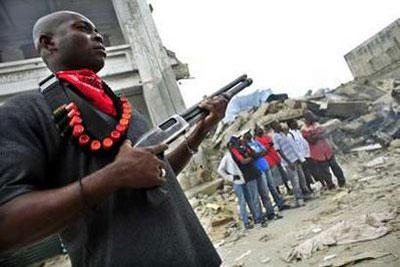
(208, 188)
(347, 109)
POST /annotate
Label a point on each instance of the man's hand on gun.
(139, 167)
(216, 107)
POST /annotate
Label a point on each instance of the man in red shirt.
(243, 155)
(321, 151)
(273, 175)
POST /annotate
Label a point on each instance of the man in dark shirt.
(50, 184)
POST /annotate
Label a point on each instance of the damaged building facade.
(379, 56)
(137, 64)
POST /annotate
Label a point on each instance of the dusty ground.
(373, 186)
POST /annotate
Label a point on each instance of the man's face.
(258, 131)
(79, 44)
(247, 137)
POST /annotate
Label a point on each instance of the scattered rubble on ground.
(359, 223)
(358, 229)
(355, 258)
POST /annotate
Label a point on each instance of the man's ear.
(46, 42)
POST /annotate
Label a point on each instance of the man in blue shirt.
(261, 164)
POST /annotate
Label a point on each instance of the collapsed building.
(361, 114)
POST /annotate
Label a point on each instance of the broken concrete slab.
(355, 258)
(347, 109)
(344, 232)
(207, 188)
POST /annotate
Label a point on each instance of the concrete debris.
(375, 162)
(366, 148)
(352, 259)
(363, 228)
(221, 220)
(346, 109)
(395, 143)
(266, 260)
(264, 238)
(356, 114)
(329, 257)
(241, 257)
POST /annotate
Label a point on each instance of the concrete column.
(160, 89)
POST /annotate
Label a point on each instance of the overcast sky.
(287, 45)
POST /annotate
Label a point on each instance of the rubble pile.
(269, 111)
(358, 113)
(217, 212)
(365, 113)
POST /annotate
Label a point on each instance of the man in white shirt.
(286, 147)
(303, 148)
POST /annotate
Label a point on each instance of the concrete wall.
(379, 55)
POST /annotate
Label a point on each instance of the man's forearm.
(283, 156)
(181, 155)
(33, 216)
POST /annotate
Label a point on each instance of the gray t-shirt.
(125, 230)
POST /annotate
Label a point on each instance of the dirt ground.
(373, 186)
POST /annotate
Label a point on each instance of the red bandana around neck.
(91, 87)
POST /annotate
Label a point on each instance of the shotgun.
(177, 125)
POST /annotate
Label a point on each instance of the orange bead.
(126, 116)
(73, 112)
(71, 106)
(115, 135)
(95, 145)
(78, 130)
(84, 139)
(123, 122)
(107, 143)
(126, 105)
(127, 110)
(75, 120)
(120, 128)
(123, 99)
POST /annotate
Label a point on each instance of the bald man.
(87, 182)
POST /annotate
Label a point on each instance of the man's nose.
(98, 37)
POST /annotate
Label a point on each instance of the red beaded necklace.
(75, 121)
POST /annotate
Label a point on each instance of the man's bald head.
(47, 25)
(68, 40)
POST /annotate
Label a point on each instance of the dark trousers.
(324, 172)
(307, 169)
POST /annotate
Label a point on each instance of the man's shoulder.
(26, 101)
(28, 107)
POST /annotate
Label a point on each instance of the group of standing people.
(258, 161)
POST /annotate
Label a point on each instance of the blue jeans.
(254, 204)
(279, 201)
(263, 191)
(240, 191)
(296, 177)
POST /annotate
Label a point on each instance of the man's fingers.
(162, 180)
(157, 149)
(162, 164)
(127, 142)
